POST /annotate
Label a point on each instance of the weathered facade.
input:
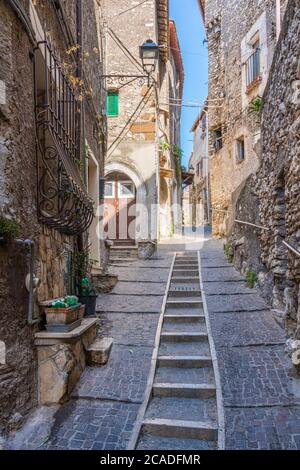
(268, 197)
(200, 190)
(52, 145)
(143, 127)
(241, 39)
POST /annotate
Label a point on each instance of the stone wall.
(278, 175)
(227, 24)
(271, 197)
(18, 190)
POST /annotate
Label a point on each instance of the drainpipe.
(31, 281)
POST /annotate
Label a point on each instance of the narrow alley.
(149, 231)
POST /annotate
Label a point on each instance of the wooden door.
(119, 210)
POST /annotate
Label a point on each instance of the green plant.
(228, 252)
(164, 146)
(256, 105)
(251, 279)
(9, 228)
(86, 289)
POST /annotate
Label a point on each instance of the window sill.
(253, 85)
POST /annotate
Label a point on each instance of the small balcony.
(63, 203)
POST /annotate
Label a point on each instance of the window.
(109, 189)
(240, 149)
(113, 103)
(126, 189)
(253, 63)
(218, 139)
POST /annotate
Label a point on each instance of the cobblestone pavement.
(261, 391)
(103, 407)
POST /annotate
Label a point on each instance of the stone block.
(98, 352)
(146, 249)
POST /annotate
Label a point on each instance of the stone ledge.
(43, 338)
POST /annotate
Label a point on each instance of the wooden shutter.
(113, 103)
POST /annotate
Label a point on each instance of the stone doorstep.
(47, 338)
(98, 352)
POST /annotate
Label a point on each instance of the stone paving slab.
(260, 388)
(135, 274)
(130, 328)
(221, 274)
(235, 303)
(255, 376)
(225, 288)
(92, 425)
(139, 288)
(242, 328)
(275, 428)
(128, 303)
(124, 377)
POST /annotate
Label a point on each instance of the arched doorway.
(120, 209)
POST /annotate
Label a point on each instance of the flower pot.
(61, 316)
(81, 311)
(90, 304)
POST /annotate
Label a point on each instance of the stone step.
(183, 265)
(120, 260)
(184, 361)
(183, 336)
(186, 310)
(180, 429)
(187, 294)
(187, 390)
(187, 348)
(184, 273)
(184, 318)
(98, 352)
(149, 441)
(184, 303)
(185, 375)
(185, 280)
(191, 409)
(176, 327)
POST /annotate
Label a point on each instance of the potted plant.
(88, 296)
(63, 311)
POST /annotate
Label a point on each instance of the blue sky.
(191, 34)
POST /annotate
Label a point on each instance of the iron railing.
(63, 203)
(253, 67)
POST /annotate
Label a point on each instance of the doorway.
(119, 209)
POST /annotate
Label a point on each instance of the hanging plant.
(256, 105)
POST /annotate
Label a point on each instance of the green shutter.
(113, 103)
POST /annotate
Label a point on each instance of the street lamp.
(149, 53)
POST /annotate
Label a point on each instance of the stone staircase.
(182, 411)
(123, 254)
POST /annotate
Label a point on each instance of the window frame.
(240, 143)
(112, 183)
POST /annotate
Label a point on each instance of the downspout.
(31, 281)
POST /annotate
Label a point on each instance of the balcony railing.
(253, 68)
(63, 203)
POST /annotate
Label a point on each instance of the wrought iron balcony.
(63, 203)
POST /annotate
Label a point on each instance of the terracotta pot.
(81, 311)
(61, 316)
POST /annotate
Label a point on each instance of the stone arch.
(141, 194)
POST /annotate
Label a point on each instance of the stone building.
(200, 190)
(241, 40)
(143, 159)
(52, 145)
(268, 198)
